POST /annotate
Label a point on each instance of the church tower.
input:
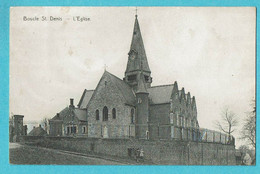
(137, 59)
(142, 108)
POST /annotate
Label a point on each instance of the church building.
(130, 107)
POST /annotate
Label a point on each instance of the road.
(23, 154)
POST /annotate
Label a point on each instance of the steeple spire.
(137, 51)
(137, 60)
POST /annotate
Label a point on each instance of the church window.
(192, 123)
(68, 130)
(131, 78)
(114, 113)
(105, 114)
(181, 121)
(146, 78)
(132, 115)
(73, 129)
(97, 114)
(84, 129)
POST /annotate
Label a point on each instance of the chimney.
(71, 102)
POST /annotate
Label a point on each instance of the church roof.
(137, 46)
(87, 94)
(160, 94)
(125, 89)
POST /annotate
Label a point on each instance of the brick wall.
(157, 152)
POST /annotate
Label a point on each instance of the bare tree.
(249, 128)
(11, 127)
(45, 124)
(228, 121)
(11, 119)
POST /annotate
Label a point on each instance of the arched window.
(97, 114)
(192, 123)
(114, 113)
(105, 114)
(132, 115)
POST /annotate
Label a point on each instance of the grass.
(35, 155)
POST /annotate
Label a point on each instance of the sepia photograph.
(132, 86)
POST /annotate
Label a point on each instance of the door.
(105, 135)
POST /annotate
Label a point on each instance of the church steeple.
(136, 59)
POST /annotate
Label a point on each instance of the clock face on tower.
(132, 56)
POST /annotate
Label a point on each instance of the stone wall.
(157, 152)
(107, 94)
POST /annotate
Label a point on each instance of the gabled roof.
(86, 96)
(56, 118)
(137, 47)
(81, 114)
(63, 113)
(160, 94)
(38, 131)
(193, 101)
(123, 87)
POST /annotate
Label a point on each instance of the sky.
(210, 51)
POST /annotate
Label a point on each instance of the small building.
(16, 128)
(70, 121)
(37, 131)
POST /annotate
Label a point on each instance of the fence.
(159, 131)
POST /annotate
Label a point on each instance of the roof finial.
(105, 67)
(136, 12)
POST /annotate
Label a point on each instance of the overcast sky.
(209, 51)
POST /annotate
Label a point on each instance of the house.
(37, 131)
(70, 121)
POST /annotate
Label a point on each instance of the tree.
(249, 128)
(243, 148)
(45, 124)
(228, 121)
(11, 120)
(11, 127)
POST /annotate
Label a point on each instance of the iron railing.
(159, 131)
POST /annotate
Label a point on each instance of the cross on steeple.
(105, 66)
(136, 11)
